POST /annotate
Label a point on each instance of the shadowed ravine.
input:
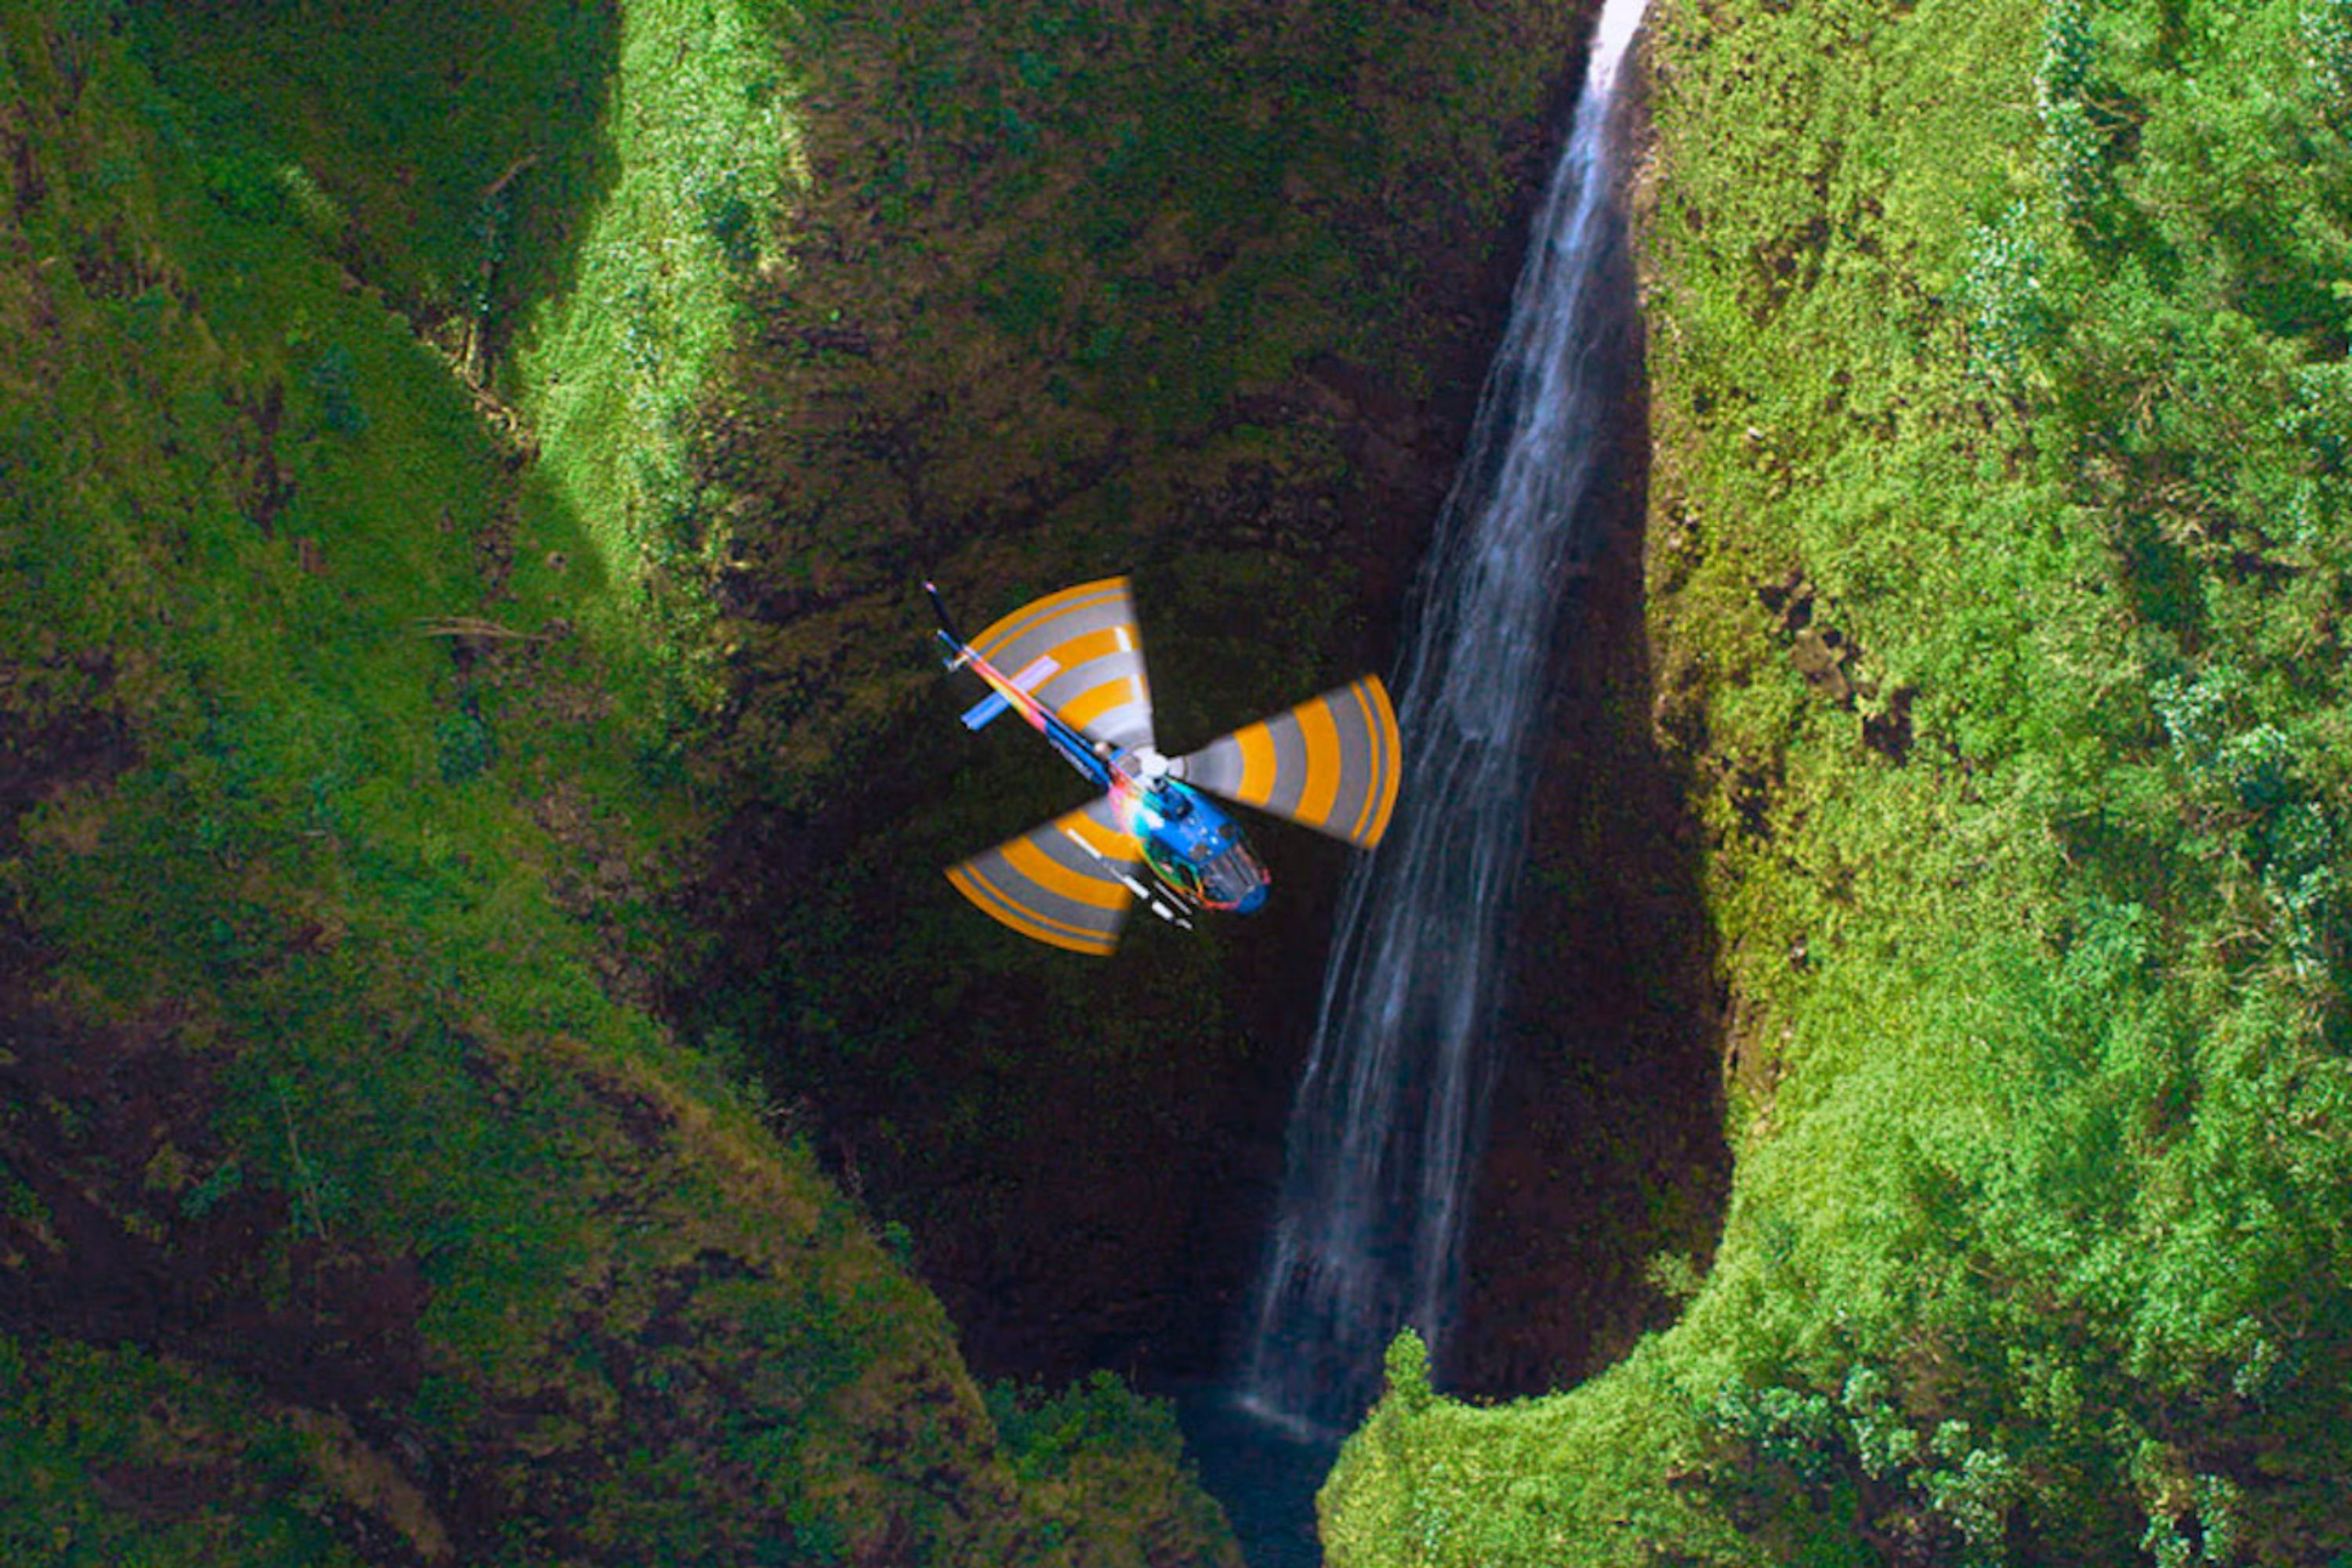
(1384, 1133)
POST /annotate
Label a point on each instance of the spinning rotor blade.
(1082, 648)
(1067, 883)
(1330, 763)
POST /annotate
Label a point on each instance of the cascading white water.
(1383, 1135)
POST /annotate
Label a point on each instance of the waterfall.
(1383, 1137)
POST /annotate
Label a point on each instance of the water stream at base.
(1383, 1136)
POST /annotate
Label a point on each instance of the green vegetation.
(345, 794)
(460, 467)
(461, 470)
(1999, 562)
(208, 1478)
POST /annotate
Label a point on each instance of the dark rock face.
(1605, 1171)
(1243, 380)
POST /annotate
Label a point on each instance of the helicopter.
(1076, 675)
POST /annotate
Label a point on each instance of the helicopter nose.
(1252, 902)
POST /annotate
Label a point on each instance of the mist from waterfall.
(1384, 1134)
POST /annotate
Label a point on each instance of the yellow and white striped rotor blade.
(1084, 652)
(1332, 763)
(1067, 883)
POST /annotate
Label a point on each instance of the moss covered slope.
(353, 1206)
(1998, 566)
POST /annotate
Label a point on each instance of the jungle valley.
(490, 1071)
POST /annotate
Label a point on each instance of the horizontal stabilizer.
(1068, 883)
(1039, 671)
(1331, 763)
(1089, 639)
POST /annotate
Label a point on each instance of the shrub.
(1407, 1368)
(2326, 30)
(2010, 309)
(2076, 144)
(1041, 1433)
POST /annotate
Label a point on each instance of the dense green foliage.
(450, 458)
(352, 1201)
(81, 1429)
(1998, 567)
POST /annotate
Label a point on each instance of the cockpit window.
(1229, 876)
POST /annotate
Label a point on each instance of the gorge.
(1385, 1132)
(490, 1071)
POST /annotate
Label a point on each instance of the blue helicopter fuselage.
(1196, 849)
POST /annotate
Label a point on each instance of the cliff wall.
(1994, 582)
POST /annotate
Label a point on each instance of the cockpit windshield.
(1229, 876)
